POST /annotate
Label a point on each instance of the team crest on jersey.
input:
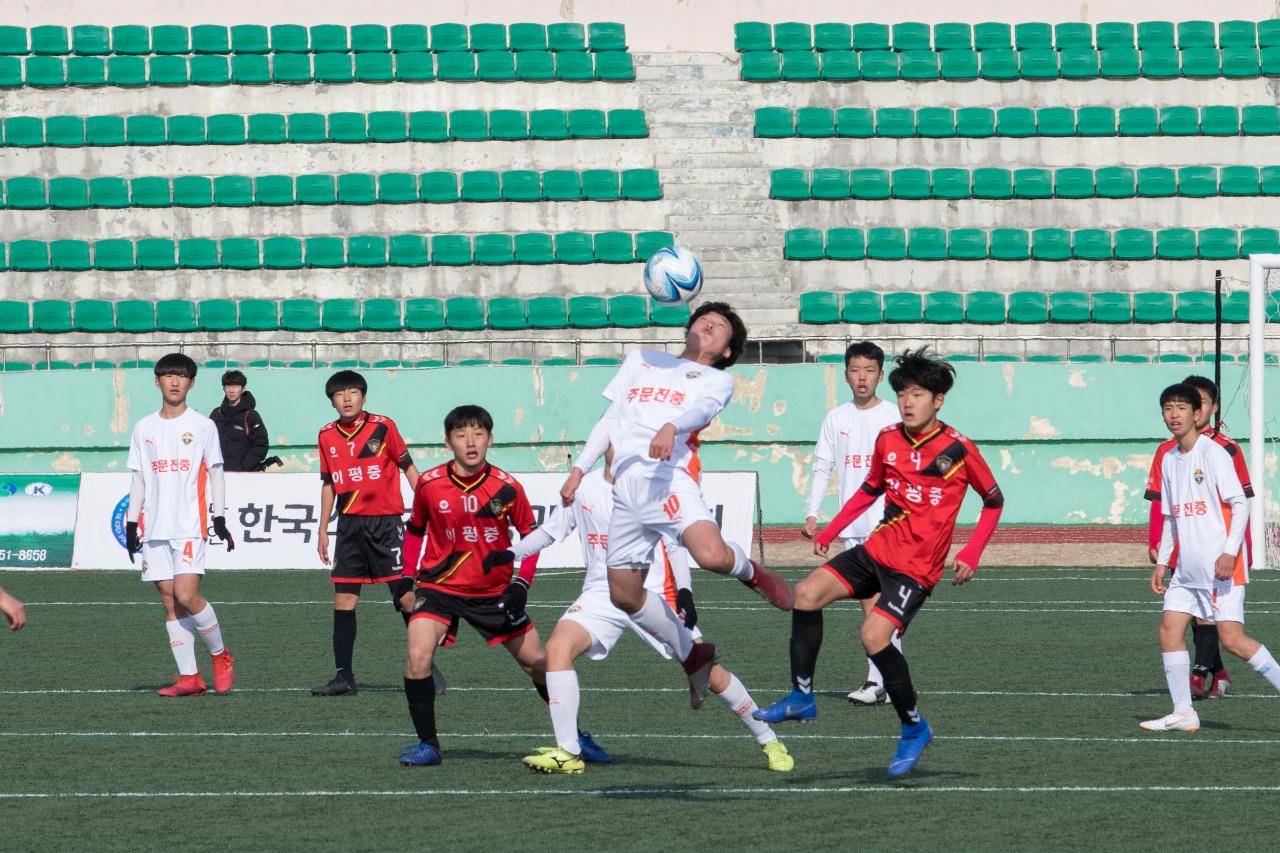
(693, 374)
(943, 463)
(373, 444)
(187, 438)
(1198, 476)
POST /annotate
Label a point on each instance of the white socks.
(183, 645)
(742, 569)
(1265, 665)
(873, 671)
(563, 697)
(206, 622)
(659, 620)
(1177, 672)
(736, 698)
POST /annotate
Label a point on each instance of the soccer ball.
(673, 275)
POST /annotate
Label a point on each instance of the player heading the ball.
(176, 462)
(658, 404)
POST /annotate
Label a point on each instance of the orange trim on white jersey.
(668, 577)
(694, 465)
(1239, 576)
(202, 503)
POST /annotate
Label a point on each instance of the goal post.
(1260, 267)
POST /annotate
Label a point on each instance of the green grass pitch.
(1034, 680)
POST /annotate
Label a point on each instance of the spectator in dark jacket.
(240, 429)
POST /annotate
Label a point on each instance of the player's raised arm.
(698, 415)
(597, 444)
(982, 481)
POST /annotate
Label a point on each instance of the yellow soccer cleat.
(554, 761)
(779, 759)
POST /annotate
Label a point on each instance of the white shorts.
(1223, 603)
(605, 623)
(651, 502)
(164, 558)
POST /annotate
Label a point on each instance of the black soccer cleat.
(339, 685)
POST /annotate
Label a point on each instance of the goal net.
(1264, 413)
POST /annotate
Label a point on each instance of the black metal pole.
(1217, 343)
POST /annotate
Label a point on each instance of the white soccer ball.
(673, 275)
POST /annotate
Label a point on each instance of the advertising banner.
(37, 520)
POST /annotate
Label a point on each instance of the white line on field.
(650, 792)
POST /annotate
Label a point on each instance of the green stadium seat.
(408, 38)
(802, 244)
(813, 122)
(250, 38)
(1239, 180)
(324, 252)
(1256, 120)
(176, 315)
(959, 64)
(537, 66)
(648, 242)
(291, 68)
(943, 307)
(1091, 244)
(862, 307)
(566, 36)
(548, 312)
(1068, 307)
(1055, 121)
(527, 36)
(1240, 63)
(951, 184)
(50, 40)
(911, 35)
(1203, 62)
(1196, 34)
(918, 65)
(217, 315)
(1155, 34)
(1176, 244)
(1195, 308)
(903, 308)
(1073, 183)
(878, 65)
(1111, 307)
(415, 67)
(839, 65)
(67, 193)
(1078, 64)
(495, 66)
(156, 254)
(549, 124)
(992, 35)
(819, 308)
(1220, 121)
(1010, 244)
(967, 244)
(936, 122)
(493, 249)
(1050, 244)
(828, 184)
(69, 131)
(999, 65)
(1160, 63)
(909, 183)
(614, 66)
(210, 38)
(367, 250)
(627, 124)
(561, 185)
(1028, 307)
(240, 253)
(629, 311)
(641, 185)
(407, 250)
(1072, 35)
(282, 253)
(1114, 34)
(209, 70)
(192, 191)
(507, 314)
(587, 124)
(792, 36)
(1152, 308)
(1270, 61)
(451, 250)
(46, 72)
(381, 315)
(952, 36)
(1218, 244)
(574, 66)
(29, 256)
(1197, 181)
(869, 183)
(298, 315)
(508, 125)
(273, 190)
(752, 36)
(673, 316)
(799, 65)
(228, 191)
(534, 248)
(13, 41)
(25, 194)
(1259, 241)
(1237, 34)
(869, 36)
(265, 128)
(51, 316)
(481, 186)
(1115, 182)
(1032, 183)
(249, 69)
(614, 247)
(895, 122)
(348, 127)
(225, 129)
(69, 255)
(1119, 63)
(600, 185)
(1157, 182)
(115, 255)
(357, 188)
(845, 244)
(1015, 122)
(588, 312)
(483, 37)
(428, 126)
(198, 253)
(23, 132)
(1134, 244)
(337, 315)
(262, 315)
(126, 71)
(1139, 121)
(308, 189)
(890, 244)
(377, 68)
(1033, 35)
(855, 123)
(573, 247)
(134, 316)
(1096, 121)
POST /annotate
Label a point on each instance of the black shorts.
(900, 596)
(368, 549)
(491, 621)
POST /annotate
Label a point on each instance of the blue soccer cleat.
(915, 737)
(420, 755)
(798, 706)
(592, 752)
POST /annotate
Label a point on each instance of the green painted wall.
(1069, 443)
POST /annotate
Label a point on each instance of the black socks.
(806, 640)
(897, 683)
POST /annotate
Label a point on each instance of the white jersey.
(654, 388)
(1194, 488)
(174, 457)
(590, 515)
(845, 444)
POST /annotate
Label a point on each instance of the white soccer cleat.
(1175, 722)
(869, 694)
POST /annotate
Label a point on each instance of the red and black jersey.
(363, 460)
(465, 520)
(1221, 438)
(923, 480)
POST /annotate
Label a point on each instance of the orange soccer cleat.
(187, 685)
(224, 671)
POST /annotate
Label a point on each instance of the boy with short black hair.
(361, 457)
(923, 468)
(1206, 512)
(465, 510)
(241, 432)
(174, 455)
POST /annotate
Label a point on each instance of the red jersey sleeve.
(418, 515)
(1153, 475)
(981, 480)
(325, 473)
(396, 448)
(1242, 469)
